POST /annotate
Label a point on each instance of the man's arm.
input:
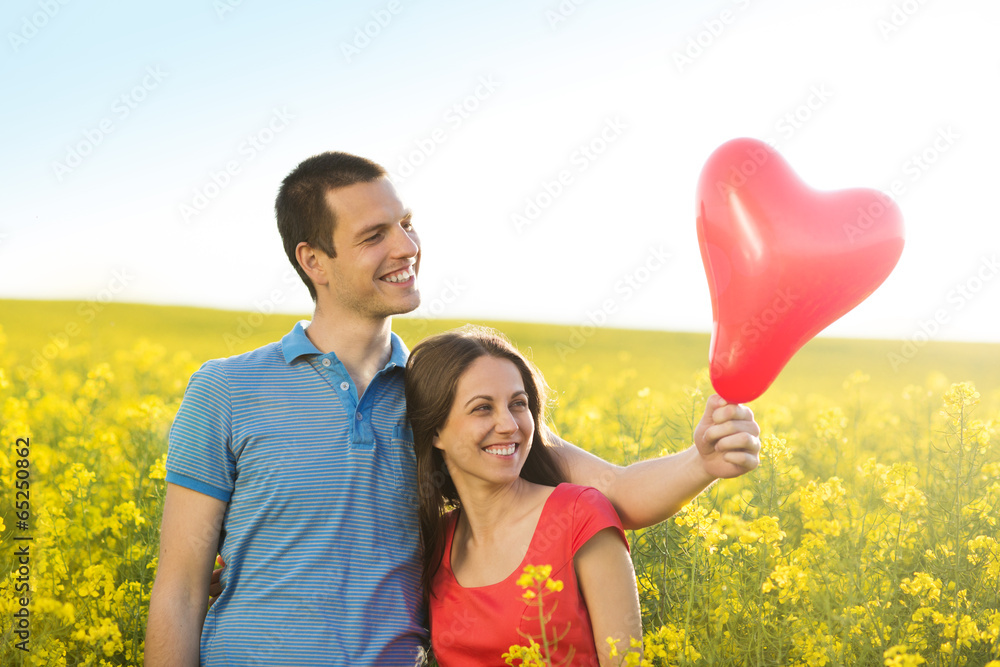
(189, 540)
(726, 444)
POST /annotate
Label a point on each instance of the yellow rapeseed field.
(869, 535)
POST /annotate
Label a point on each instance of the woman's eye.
(481, 408)
(520, 404)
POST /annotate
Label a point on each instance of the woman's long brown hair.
(432, 374)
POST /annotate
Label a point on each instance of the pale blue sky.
(162, 96)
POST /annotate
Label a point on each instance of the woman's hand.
(727, 438)
(215, 585)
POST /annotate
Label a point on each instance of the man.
(296, 459)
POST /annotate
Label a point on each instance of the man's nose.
(405, 243)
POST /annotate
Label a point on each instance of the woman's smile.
(504, 451)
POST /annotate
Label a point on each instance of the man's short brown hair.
(301, 207)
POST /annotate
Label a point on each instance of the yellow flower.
(817, 503)
(534, 574)
(97, 381)
(159, 468)
(704, 524)
(76, 483)
(773, 448)
(542, 572)
(536, 581)
(790, 581)
(855, 379)
(668, 643)
(105, 635)
(763, 529)
(830, 424)
(898, 656)
(922, 586)
(530, 656)
(960, 398)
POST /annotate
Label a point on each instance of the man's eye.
(408, 226)
(373, 238)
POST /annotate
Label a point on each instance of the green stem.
(541, 623)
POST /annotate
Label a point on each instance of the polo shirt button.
(326, 362)
(344, 386)
(359, 416)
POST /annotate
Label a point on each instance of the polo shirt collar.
(296, 344)
(399, 352)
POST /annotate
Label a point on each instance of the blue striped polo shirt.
(321, 540)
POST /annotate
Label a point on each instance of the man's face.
(378, 251)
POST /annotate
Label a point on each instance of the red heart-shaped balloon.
(783, 260)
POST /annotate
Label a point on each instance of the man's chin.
(412, 305)
(404, 306)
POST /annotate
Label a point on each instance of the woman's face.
(489, 429)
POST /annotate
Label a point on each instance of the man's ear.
(310, 259)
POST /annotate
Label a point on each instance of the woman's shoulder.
(584, 508)
(568, 492)
(587, 504)
(574, 503)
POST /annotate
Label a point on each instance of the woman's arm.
(607, 580)
(726, 444)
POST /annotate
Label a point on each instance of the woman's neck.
(488, 510)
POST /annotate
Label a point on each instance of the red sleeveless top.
(476, 626)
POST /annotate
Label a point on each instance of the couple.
(296, 462)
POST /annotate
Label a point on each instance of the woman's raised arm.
(726, 444)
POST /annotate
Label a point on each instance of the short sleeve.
(200, 456)
(593, 513)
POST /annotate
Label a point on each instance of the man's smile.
(400, 276)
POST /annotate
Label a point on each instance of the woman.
(476, 407)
